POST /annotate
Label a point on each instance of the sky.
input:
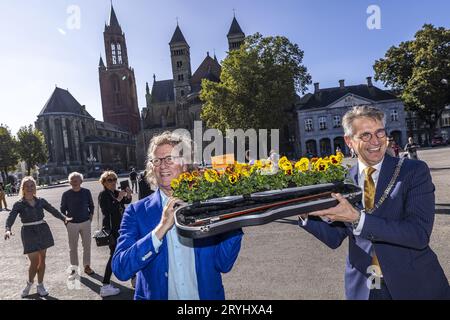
(58, 43)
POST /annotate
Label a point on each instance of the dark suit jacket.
(400, 233)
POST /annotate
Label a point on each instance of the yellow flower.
(302, 165)
(175, 183)
(321, 165)
(335, 160)
(340, 155)
(283, 161)
(211, 175)
(286, 166)
(233, 178)
(288, 172)
(245, 172)
(186, 176)
(195, 174)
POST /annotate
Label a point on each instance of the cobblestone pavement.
(277, 260)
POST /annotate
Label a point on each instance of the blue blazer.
(135, 254)
(400, 233)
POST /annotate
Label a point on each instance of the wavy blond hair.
(22, 183)
(105, 175)
(182, 148)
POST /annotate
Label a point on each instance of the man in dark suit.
(389, 254)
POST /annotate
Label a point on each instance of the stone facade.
(78, 142)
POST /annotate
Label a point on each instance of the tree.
(31, 147)
(258, 84)
(8, 150)
(419, 70)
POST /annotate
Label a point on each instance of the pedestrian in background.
(390, 149)
(133, 177)
(2, 197)
(36, 234)
(77, 203)
(411, 149)
(144, 187)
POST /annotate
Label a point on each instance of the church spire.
(101, 64)
(177, 36)
(113, 25)
(235, 35)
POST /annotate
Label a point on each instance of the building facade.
(78, 142)
(174, 103)
(117, 80)
(320, 116)
(419, 130)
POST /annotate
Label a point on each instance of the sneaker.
(88, 270)
(26, 291)
(41, 290)
(73, 275)
(109, 290)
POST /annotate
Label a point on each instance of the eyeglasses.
(367, 136)
(111, 180)
(169, 160)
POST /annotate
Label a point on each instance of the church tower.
(117, 80)
(181, 65)
(235, 36)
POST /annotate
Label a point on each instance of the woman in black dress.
(112, 203)
(35, 233)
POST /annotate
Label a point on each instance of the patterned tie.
(369, 202)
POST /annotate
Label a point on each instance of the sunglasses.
(111, 180)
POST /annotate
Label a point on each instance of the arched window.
(119, 53)
(113, 53)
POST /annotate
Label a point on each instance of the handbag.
(101, 236)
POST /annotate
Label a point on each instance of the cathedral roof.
(327, 96)
(209, 69)
(113, 25)
(177, 36)
(235, 28)
(61, 101)
(162, 91)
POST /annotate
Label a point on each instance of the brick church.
(79, 142)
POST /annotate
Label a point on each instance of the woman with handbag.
(112, 203)
(36, 234)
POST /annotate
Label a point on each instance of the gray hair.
(361, 112)
(182, 148)
(75, 174)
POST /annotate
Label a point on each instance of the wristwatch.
(356, 222)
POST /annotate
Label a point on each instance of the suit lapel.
(386, 173)
(153, 203)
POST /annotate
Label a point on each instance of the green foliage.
(8, 149)
(258, 84)
(417, 69)
(31, 147)
(243, 179)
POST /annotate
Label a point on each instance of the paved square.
(277, 260)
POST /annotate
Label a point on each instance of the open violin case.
(216, 216)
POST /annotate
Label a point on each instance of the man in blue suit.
(389, 254)
(169, 266)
